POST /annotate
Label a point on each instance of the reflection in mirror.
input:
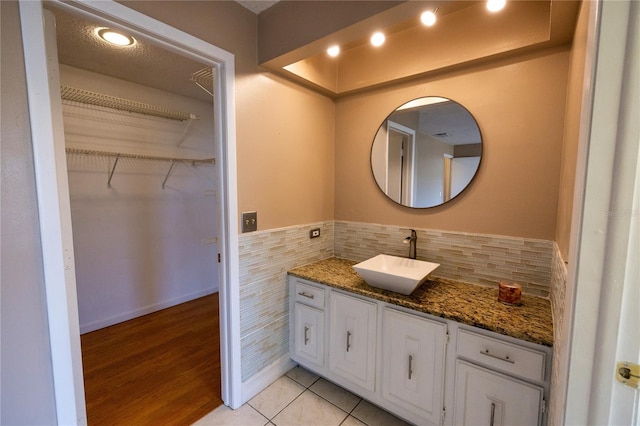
(426, 152)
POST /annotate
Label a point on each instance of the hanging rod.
(99, 99)
(192, 161)
(119, 155)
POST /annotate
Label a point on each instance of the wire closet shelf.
(107, 101)
(118, 155)
(100, 99)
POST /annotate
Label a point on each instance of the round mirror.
(426, 152)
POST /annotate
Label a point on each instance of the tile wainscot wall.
(266, 256)
(558, 303)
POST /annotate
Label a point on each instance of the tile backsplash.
(472, 258)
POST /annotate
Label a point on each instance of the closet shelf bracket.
(186, 129)
(168, 173)
(113, 169)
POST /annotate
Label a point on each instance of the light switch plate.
(249, 221)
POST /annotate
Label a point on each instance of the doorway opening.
(53, 196)
(141, 172)
(400, 163)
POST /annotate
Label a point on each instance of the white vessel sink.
(393, 273)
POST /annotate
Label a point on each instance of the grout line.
(307, 389)
(339, 408)
(265, 417)
(354, 409)
(290, 402)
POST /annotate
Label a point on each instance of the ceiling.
(466, 34)
(150, 65)
(445, 120)
(146, 63)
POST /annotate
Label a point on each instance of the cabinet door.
(413, 363)
(352, 336)
(483, 397)
(309, 334)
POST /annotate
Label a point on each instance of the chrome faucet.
(411, 240)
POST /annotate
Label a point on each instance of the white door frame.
(408, 191)
(53, 194)
(603, 269)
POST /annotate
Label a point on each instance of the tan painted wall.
(571, 130)
(519, 106)
(285, 133)
(285, 152)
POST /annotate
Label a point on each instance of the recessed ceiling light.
(496, 5)
(428, 18)
(115, 37)
(333, 51)
(377, 39)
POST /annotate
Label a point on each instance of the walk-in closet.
(139, 136)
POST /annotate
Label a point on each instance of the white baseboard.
(96, 325)
(265, 377)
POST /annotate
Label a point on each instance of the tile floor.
(302, 398)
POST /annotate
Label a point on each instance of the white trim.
(54, 212)
(116, 319)
(259, 381)
(560, 416)
(53, 198)
(598, 247)
(230, 346)
(406, 198)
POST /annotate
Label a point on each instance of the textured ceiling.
(143, 63)
(449, 122)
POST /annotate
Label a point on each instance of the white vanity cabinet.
(424, 369)
(390, 356)
(413, 363)
(498, 382)
(352, 345)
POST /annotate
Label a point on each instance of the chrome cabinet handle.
(410, 366)
(505, 359)
(308, 296)
(493, 413)
(306, 335)
(348, 340)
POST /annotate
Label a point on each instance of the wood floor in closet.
(159, 369)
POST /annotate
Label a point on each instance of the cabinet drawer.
(309, 294)
(503, 356)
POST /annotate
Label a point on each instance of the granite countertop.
(465, 303)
